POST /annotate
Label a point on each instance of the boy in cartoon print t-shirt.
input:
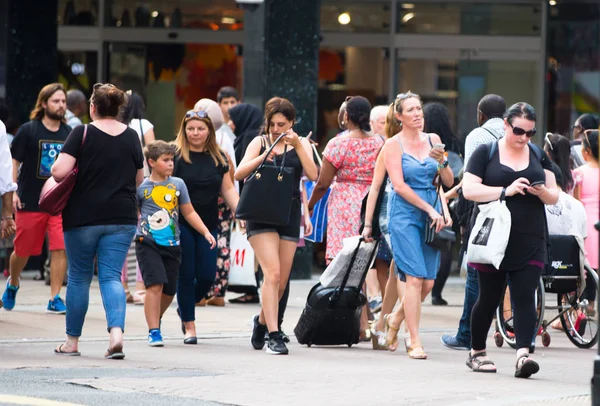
(161, 198)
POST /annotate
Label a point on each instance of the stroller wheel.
(546, 339)
(498, 339)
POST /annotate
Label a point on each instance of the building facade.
(177, 51)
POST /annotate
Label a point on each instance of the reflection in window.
(468, 18)
(344, 16)
(200, 14)
(78, 70)
(78, 12)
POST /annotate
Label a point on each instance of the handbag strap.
(264, 160)
(142, 134)
(437, 196)
(85, 127)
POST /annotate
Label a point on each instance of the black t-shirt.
(203, 179)
(527, 240)
(105, 189)
(36, 148)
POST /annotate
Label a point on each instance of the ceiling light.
(227, 20)
(552, 2)
(344, 19)
(155, 14)
(407, 17)
(408, 6)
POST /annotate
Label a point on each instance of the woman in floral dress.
(350, 159)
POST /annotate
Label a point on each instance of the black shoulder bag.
(443, 240)
(267, 193)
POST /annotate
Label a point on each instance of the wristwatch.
(443, 164)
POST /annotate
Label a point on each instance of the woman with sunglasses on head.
(587, 121)
(587, 191)
(520, 172)
(275, 246)
(204, 168)
(413, 160)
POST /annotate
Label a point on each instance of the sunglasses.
(407, 95)
(548, 142)
(578, 126)
(519, 131)
(194, 113)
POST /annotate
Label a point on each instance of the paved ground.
(223, 369)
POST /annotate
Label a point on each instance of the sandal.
(245, 299)
(407, 341)
(59, 351)
(388, 327)
(528, 367)
(417, 352)
(475, 364)
(115, 353)
(378, 339)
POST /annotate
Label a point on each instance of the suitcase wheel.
(308, 344)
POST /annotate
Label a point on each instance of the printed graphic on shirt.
(49, 151)
(159, 204)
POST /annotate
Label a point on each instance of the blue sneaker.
(10, 295)
(56, 306)
(451, 342)
(155, 338)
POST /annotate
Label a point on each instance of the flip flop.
(59, 351)
(114, 354)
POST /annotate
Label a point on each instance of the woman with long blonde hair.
(204, 169)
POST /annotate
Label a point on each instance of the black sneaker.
(258, 334)
(285, 337)
(276, 345)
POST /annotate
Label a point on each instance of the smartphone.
(537, 183)
(439, 146)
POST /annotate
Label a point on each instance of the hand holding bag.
(267, 193)
(443, 240)
(489, 238)
(55, 194)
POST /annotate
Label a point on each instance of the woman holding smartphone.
(275, 246)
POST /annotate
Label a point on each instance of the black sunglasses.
(194, 113)
(519, 131)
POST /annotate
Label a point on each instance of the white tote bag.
(489, 237)
(241, 271)
(337, 269)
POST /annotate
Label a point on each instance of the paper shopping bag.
(241, 271)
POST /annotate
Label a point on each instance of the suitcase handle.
(336, 295)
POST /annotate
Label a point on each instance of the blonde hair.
(392, 125)
(46, 93)
(183, 146)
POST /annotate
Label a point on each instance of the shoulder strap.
(82, 141)
(429, 139)
(491, 133)
(492, 150)
(142, 134)
(399, 142)
(537, 151)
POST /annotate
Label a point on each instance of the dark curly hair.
(437, 120)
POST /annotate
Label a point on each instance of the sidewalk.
(223, 367)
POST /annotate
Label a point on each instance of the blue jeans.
(471, 294)
(109, 244)
(197, 272)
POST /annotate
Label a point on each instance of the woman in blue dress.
(413, 159)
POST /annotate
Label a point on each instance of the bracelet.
(503, 194)
(367, 226)
(444, 164)
(7, 218)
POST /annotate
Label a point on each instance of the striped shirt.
(481, 135)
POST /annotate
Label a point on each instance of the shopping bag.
(241, 271)
(489, 237)
(341, 264)
(319, 215)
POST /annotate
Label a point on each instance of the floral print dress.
(354, 159)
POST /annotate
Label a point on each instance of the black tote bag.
(267, 193)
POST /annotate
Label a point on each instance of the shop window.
(199, 14)
(345, 16)
(78, 12)
(468, 18)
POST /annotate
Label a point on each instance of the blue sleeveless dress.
(407, 223)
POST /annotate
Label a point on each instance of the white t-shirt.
(567, 217)
(227, 145)
(227, 130)
(6, 167)
(141, 130)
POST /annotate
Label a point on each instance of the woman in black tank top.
(275, 246)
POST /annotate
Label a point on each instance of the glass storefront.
(452, 52)
(198, 14)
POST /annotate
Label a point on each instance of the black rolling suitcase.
(332, 314)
